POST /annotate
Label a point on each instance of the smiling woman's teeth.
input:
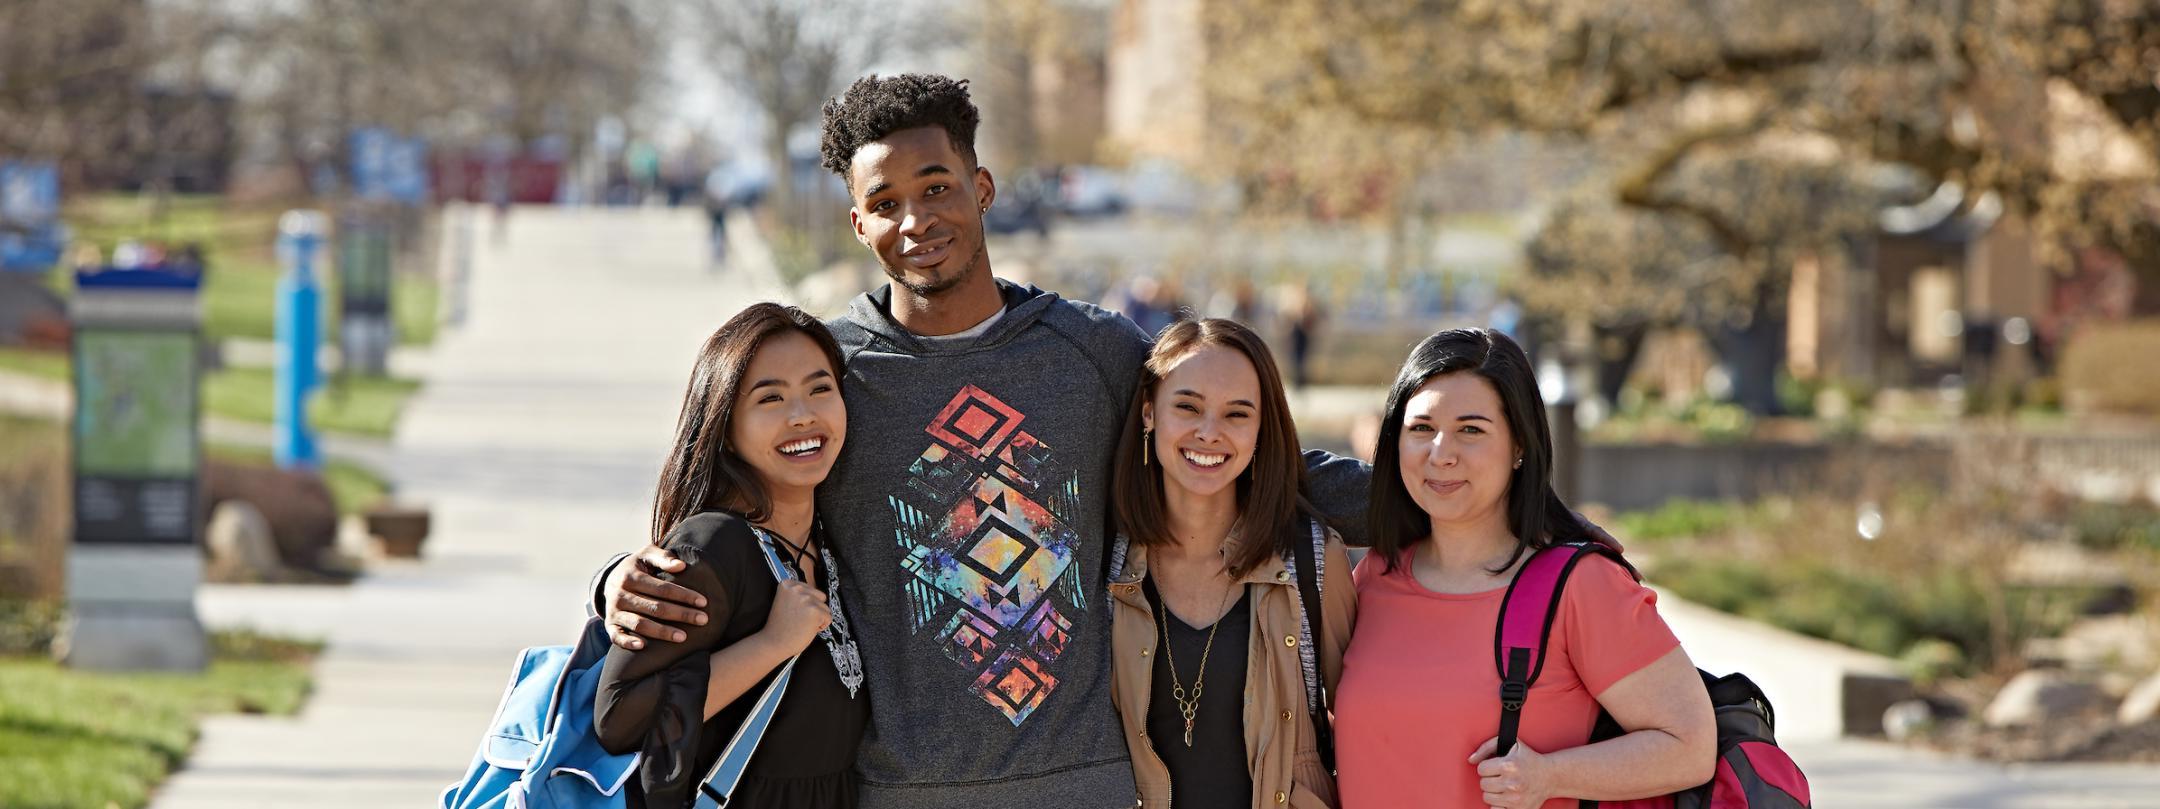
(800, 447)
(1199, 459)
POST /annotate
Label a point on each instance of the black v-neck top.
(648, 697)
(1211, 773)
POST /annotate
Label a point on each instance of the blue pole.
(299, 335)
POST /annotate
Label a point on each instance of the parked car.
(1090, 191)
(1020, 208)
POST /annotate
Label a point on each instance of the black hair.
(1535, 512)
(876, 106)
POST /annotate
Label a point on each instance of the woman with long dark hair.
(1217, 668)
(762, 422)
(1461, 497)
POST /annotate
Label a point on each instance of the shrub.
(1680, 519)
(28, 627)
(1937, 578)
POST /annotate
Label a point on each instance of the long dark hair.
(1534, 511)
(702, 473)
(1271, 492)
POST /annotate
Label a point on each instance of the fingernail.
(677, 637)
(698, 619)
(700, 601)
(634, 645)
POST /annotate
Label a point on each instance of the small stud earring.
(1518, 462)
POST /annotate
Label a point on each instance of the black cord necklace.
(799, 552)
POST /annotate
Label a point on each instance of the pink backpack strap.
(1526, 618)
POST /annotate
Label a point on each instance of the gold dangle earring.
(1147, 444)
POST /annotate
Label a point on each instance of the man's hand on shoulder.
(640, 605)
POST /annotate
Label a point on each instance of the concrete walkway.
(536, 442)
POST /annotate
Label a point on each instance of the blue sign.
(408, 172)
(29, 194)
(31, 236)
(386, 167)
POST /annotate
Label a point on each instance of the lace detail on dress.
(846, 656)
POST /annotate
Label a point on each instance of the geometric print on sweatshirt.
(984, 524)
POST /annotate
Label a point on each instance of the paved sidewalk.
(536, 442)
(1879, 775)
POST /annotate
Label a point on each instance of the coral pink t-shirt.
(1420, 692)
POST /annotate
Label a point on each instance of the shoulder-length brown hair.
(702, 473)
(1271, 491)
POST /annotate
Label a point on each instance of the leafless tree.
(69, 73)
(789, 56)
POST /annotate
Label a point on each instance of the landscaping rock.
(297, 505)
(2121, 642)
(240, 543)
(1907, 719)
(2143, 704)
(2041, 696)
(353, 541)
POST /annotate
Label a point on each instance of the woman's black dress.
(650, 699)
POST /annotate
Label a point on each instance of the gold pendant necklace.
(1190, 708)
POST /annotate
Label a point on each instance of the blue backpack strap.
(735, 758)
(1525, 626)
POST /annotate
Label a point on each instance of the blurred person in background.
(1143, 301)
(1301, 315)
(721, 189)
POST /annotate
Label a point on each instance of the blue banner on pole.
(389, 168)
(31, 236)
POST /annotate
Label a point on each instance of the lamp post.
(299, 337)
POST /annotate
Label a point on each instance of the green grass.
(51, 365)
(239, 244)
(353, 486)
(1681, 519)
(415, 306)
(82, 740)
(27, 440)
(354, 405)
(1932, 589)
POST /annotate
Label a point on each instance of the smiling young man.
(969, 512)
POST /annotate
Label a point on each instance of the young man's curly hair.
(876, 106)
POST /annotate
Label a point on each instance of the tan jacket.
(1280, 743)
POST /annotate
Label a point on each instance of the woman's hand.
(638, 602)
(1519, 780)
(798, 614)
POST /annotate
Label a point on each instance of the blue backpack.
(541, 751)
